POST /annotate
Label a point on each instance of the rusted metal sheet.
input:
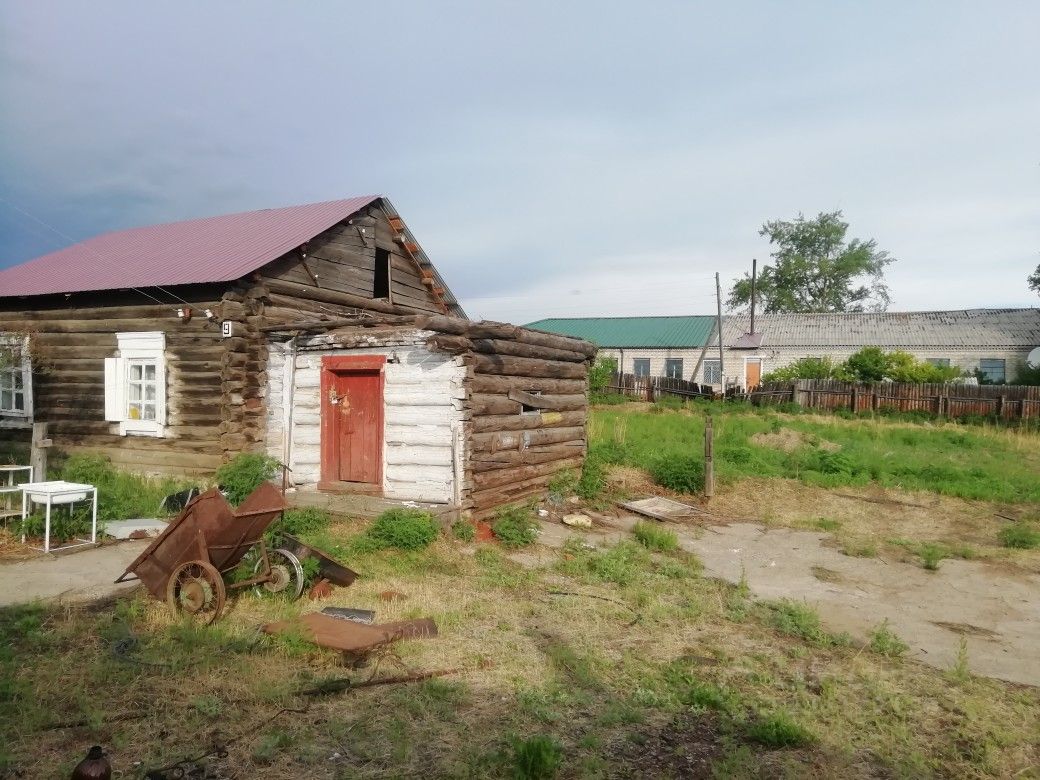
(348, 636)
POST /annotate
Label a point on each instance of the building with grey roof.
(993, 341)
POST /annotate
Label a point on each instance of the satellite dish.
(1033, 359)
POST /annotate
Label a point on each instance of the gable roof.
(939, 329)
(677, 332)
(198, 251)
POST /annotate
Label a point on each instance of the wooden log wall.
(72, 336)
(334, 274)
(528, 409)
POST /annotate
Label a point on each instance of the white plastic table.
(55, 494)
(9, 486)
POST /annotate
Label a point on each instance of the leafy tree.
(870, 364)
(1034, 280)
(817, 270)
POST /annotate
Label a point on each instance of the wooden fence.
(943, 400)
(650, 388)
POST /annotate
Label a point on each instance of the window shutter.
(115, 403)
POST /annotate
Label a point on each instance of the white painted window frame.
(138, 347)
(19, 418)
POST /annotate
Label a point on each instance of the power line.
(89, 248)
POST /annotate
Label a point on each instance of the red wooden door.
(352, 420)
(754, 373)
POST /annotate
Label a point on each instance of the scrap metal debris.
(349, 637)
(366, 616)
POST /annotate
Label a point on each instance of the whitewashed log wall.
(424, 394)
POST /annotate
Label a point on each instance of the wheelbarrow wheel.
(196, 589)
(286, 575)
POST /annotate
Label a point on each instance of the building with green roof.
(646, 346)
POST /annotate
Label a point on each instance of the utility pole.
(754, 279)
(718, 300)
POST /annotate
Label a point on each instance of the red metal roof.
(214, 249)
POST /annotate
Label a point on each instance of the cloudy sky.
(554, 159)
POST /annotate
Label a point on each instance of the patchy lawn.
(662, 673)
(897, 489)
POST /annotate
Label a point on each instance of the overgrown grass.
(884, 642)
(121, 495)
(983, 464)
(654, 537)
(597, 667)
(1020, 536)
(399, 529)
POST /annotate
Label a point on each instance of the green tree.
(816, 270)
(808, 368)
(1034, 280)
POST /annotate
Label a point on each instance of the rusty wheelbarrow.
(187, 562)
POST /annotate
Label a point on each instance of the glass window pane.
(149, 392)
(135, 371)
(6, 399)
(16, 379)
(993, 368)
(149, 411)
(641, 366)
(149, 371)
(135, 392)
(712, 373)
(134, 411)
(673, 368)
(19, 401)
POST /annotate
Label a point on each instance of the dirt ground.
(995, 612)
(77, 576)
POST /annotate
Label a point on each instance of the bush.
(515, 526)
(653, 537)
(1020, 536)
(800, 620)
(403, 529)
(244, 474)
(600, 374)
(536, 758)
(807, 368)
(463, 531)
(681, 473)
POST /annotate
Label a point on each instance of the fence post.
(38, 452)
(854, 402)
(874, 400)
(709, 458)
(797, 393)
(1001, 401)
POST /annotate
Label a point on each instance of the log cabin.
(322, 334)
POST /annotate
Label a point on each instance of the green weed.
(593, 479)
(654, 537)
(1020, 536)
(779, 730)
(536, 758)
(463, 531)
(960, 670)
(515, 526)
(563, 484)
(884, 642)
(931, 555)
(801, 620)
(245, 473)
